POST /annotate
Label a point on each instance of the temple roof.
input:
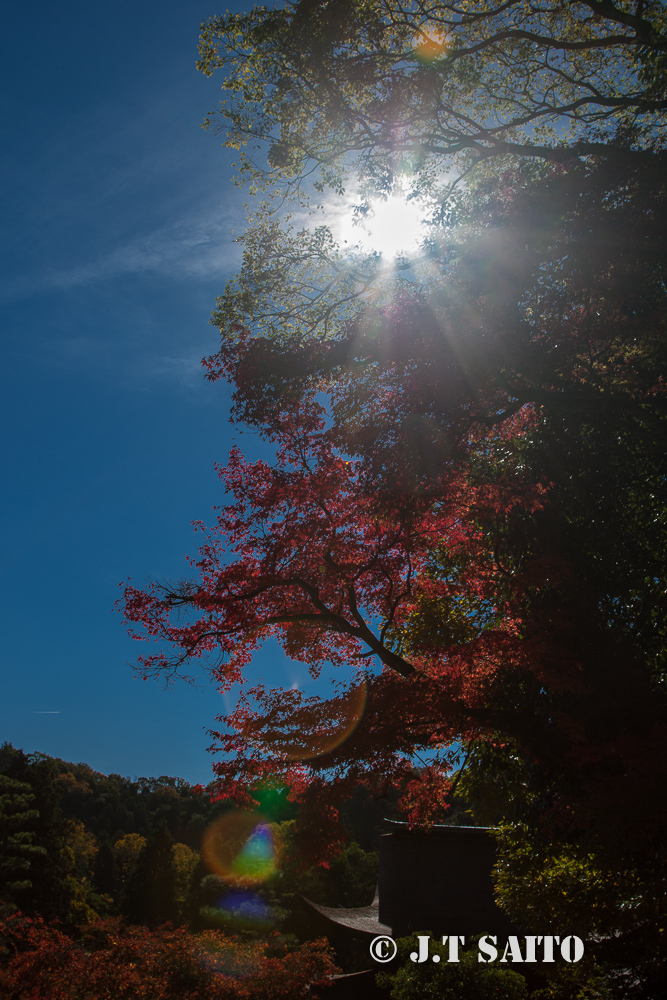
(448, 829)
(359, 918)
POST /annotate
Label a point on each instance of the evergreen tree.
(18, 849)
(49, 891)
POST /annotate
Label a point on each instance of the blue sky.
(117, 218)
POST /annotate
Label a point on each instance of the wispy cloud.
(187, 249)
(195, 250)
(185, 370)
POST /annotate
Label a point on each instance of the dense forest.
(85, 857)
(78, 845)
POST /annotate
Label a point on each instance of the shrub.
(467, 979)
(112, 962)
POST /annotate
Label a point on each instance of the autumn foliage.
(340, 570)
(112, 961)
(466, 493)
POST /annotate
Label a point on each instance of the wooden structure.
(436, 881)
(439, 880)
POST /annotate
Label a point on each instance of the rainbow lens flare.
(246, 909)
(241, 848)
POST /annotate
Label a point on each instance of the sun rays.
(390, 226)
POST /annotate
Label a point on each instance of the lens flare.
(317, 727)
(393, 225)
(245, 909)
(431, 44)
(241, 848)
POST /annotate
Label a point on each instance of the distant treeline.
(76, 845)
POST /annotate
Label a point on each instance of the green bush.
(467, 979)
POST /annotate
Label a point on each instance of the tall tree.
(386, 85)
(48, 892)
(17, 839)
(470, 443)
(482, 510)
(370, 96)
(504, 517)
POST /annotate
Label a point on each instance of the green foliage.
(352, 876)
(80, 849)
(150, 879)
(391, 90)
(613, 899)
(498, 782)
(185, 864)
(379, 96)
(559, 887)
(573, 983)
(109, 805)
(467, 979)
(104, 867)
(17, 836)
(49, 890)
(126, 853)
(151, 889)
(349, 880)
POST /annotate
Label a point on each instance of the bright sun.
(394, 225)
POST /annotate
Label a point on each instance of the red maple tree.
(312, 552)
(478, 511)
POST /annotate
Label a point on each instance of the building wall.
(439, 881)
